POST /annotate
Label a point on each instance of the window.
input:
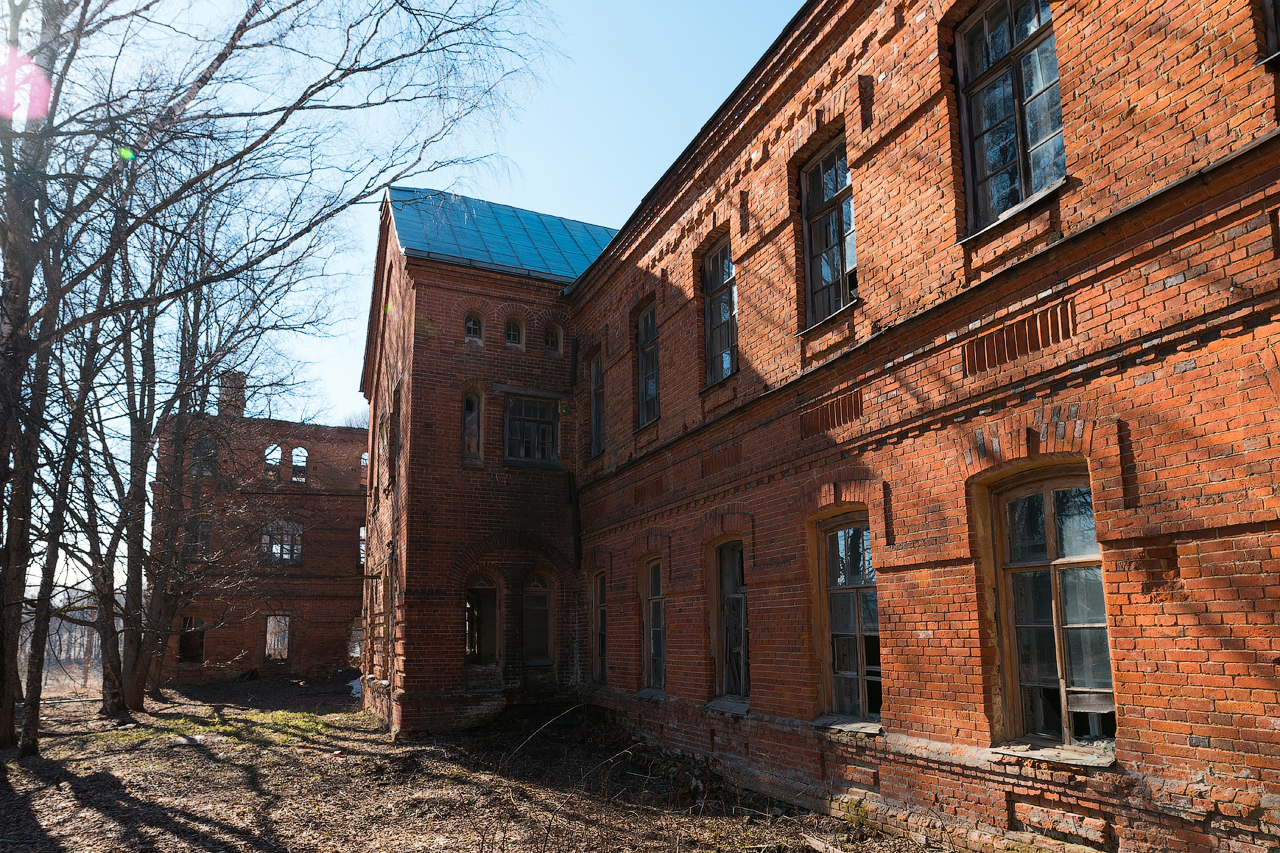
(647, 344)
(1052, 577)
(531, 430)
(537, 621)
(191, 640)
(281, 543)
(597, 407)
(473, 328)
(364, 459)
(602, 622)
(832, 254)
(364, 535)
(277, 638)
(735, 671)
(355, 642)
(204, 458)
(198, 536)
(515, 334)
(482, 621)
(471, 426)
(720, 290)
(271, 463)
(1009, 68)
(551, 338)
(298, 467)
(655, 617)
(853, 617)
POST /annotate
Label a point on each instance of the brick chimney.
(231, 395)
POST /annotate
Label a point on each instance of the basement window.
(277, 638)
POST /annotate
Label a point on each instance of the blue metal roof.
(448, 227)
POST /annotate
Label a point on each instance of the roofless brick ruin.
(911, 451)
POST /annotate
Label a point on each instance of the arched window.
(551, 338)
(1055, 611)
(298, 468)
(515, 334)
(471, 426)
(473, 328)
(482, 621)
(271, 463)
(853, 615)
(537, 621)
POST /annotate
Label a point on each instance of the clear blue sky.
(635, 84)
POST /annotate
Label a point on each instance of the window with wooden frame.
(647, 349)
(191, 640)
(853, 616)
(1055, 612)
(1011, 106)
(482, 621)
(473, 328)
(536, 625)
(204, 458)
(720, 293)
(597, 406)
(655, 625)
(601, 668)
(471, 427)
(551, 338)
(734, 662)
(531, 430)
(515, 333)
(199, 534)
(831, 252)
(281, 543)
(298, 465)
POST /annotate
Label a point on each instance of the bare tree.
(313, 104)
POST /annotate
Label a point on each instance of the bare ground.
(277, 765)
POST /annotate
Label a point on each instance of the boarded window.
(482, 621)
(191, 640)
(537, 621)
(277, 638)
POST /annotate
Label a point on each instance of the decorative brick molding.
(1042, 329)
(844, 409)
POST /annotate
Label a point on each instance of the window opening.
(854, 618)
(277, 638)
(482, 621)
(515, 334)
(647, 342)
(204, 458)
(1053, 575)
(656, 623)
(298, 467)
(281, 543)
(191, 640)
(735, 662)
(721, 294)
(472, 328)
(832, 248)
(271, 463)
(537, 621)
(597, 407)
(1012, 105)
(551, 338)
(471, 427)
(602, 622)
(364, 459)
(355, 642)
(199, 535)
(531, 430)
(364, 536)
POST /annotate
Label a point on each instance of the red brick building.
(911, 450)
(273, 552)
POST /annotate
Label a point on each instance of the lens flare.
(24, 90)
(124, 152)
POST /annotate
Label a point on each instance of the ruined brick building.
(911, 448)
(272, 549)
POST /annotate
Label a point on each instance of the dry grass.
(282, 766)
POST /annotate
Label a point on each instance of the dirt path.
(281, 766)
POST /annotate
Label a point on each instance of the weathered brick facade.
(314, 582)
(1117, 333)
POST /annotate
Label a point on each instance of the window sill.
(729, 705)
(472, 463)
(1025, 204)
(650, 425)
(830, 318)
(530, 463)
(718, 385)
(851, 725)
(655, 694)
(1072, 756)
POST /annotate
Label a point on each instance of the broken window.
(473, 328)
(597, 406)
(734, 659)
(281, 543)
(1011, 104)
(647, 348)
(191, 640)
(204, 458)
(482, 621)
(277, 638)
(271, 463)
(853, 617)
(655, 619)
(537, 621)
(515, 332)
(720, 291)
(1052, 571)
(364, 459)
(531, 430)
(471, 426)
(298, 467)
(602, 622)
